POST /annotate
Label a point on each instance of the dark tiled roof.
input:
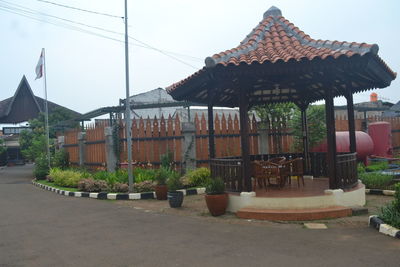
(275, 39)
(4, 104)
(7, 105)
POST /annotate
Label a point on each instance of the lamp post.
(127, 104)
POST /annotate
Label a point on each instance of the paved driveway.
(41, 228)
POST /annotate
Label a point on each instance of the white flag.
(39, 66)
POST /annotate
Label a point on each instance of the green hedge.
(376, 180)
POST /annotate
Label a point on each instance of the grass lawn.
(44, 182)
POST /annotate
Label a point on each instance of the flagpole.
(46, 114)
(127, 105)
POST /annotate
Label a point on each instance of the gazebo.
(277, 63)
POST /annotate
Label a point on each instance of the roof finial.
(272, 11)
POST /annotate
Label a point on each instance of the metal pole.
(127, 106)
(46, 114)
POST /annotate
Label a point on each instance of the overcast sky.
(85, 72)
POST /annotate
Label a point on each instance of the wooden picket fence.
(226, 136)
(152, 138)
(71, 145)
(95, 153)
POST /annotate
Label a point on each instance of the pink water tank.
(364, 143)
(381, 134)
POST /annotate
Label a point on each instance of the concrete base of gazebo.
(320, 204)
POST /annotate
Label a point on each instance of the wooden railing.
(347, 170)
(230, 170)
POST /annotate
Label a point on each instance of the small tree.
(315, 123)
(273, 114)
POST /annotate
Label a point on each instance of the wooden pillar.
(306, 146)
(350, 118)
(244, 138)
(331, 138)
(211, 141)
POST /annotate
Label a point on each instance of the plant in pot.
(161, 180)
(216, 198)
(175, 198)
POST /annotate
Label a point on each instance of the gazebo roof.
(277, 60)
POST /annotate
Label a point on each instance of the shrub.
(145, 186)
(167, 160)
(86, 185)
(67, 178)
(360, 168)
(142, 175)
(376, 180)
(120, 188)
(122, 175)
(100, 175)
(390, 214)
(61, 159)
(162, 175)
(41, 167)
(377, 166)
(90, 185)
(397, 196)
(174, 183)
(215, 187)
(197, 177)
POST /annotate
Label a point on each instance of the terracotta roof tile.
(277, 39)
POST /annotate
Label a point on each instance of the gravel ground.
(195, 206)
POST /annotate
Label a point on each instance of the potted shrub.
(161, 186)
(216, 198)
(175, 198)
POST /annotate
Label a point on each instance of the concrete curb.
(378, 224)
(379, 192)
(115, 196)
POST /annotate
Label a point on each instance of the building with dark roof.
(24, 105)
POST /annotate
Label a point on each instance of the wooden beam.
(211, 141)
(244, 137)
(350, 118)
(331, 138)
(306, 145)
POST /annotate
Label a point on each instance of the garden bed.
(73, 192)
(388, 220)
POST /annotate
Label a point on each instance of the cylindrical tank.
(364, 143)
(381, 134)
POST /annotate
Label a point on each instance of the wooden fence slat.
(156, 140)
(142, 148)
(178, 141)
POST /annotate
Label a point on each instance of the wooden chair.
(277, 160)
(259, 174)
(273, 173)
(296, 169)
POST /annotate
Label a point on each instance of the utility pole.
(127, 104)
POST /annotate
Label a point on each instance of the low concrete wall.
(331, 198)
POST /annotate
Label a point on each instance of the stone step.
(293, 214)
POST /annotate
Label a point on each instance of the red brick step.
(293, 214)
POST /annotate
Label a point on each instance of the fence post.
(81, 146)
(60, 142)
(189, 146)
(262, 139)
(111, 158)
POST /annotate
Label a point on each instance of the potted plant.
(175, 198)
(216, 198)
(161, 186)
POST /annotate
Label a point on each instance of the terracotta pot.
(175, 199)
(161, 192)
(217, 204)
